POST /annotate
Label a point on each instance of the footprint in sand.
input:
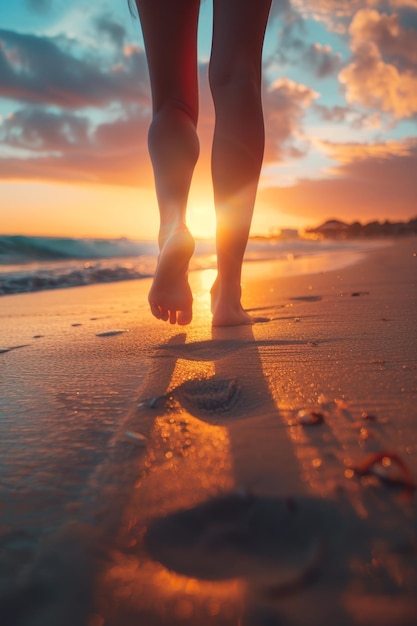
(210, 395)
(205, 398)
(278, 544)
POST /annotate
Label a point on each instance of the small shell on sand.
(389, 468)
(370, 417)
(309, 418)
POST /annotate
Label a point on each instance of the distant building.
(288, 233)
(331, 229)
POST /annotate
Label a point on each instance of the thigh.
(170, 33)
(238, 35)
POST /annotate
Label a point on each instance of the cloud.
(290, 43)
(38, 130)
(334, 13)
(403, 4)
(335, 113)
(349, 153)
(344, 8)
(338, 8)
(114, 31)
(394, 42)
(285, 103)
(370, 182)
(322, 60)
(284, 9)
(37, 69)
(64, 146)
(350, 115)
(383, 70)
(293, 48)
(56, 81)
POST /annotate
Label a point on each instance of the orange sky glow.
(340, 108)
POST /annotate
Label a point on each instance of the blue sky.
(340, 103)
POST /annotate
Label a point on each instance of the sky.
(340, 109)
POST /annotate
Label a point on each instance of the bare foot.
(170, 296)
(227, 310)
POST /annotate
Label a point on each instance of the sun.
(201, 218)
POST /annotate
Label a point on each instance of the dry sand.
(158, 475)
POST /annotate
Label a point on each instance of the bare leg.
(238, 145)
(170, 33)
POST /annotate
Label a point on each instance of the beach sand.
(161, 475)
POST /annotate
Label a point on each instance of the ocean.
(29, 264)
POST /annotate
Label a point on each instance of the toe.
(155, 310)
(164, 314)
(184, 317)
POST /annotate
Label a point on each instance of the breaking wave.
(30, 264)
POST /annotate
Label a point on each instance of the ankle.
(168, 230)
(229, 288)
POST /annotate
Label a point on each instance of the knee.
(239, 77)
(175, 109)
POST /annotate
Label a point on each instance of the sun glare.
(201, 219)
(202, 296)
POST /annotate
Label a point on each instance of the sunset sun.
(201, 218)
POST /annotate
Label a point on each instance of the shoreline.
(121, 422)
(313, 256)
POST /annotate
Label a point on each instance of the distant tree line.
(341, 230)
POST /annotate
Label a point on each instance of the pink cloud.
(383, 71)
(64, 146)
(370, 182)
(334, 13)
(285, 103)
(347, 153)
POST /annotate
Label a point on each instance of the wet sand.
(160, 475)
